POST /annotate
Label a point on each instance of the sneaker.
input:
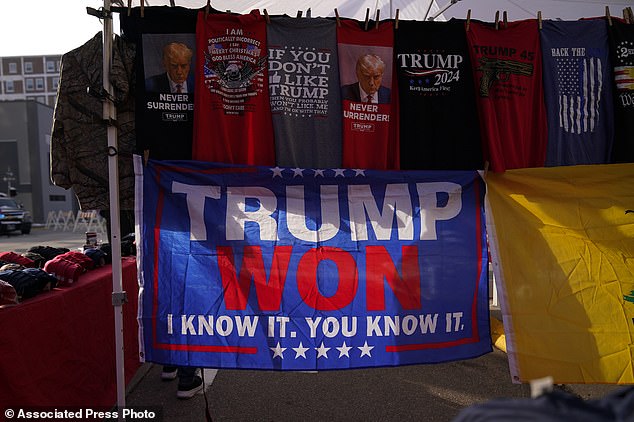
(188, 391)
(169, 373)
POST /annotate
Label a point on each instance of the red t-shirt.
(232, 113)
(507, 71)
(369, 95)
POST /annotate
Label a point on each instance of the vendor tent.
(407, 10)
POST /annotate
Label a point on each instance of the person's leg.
(169, 373)
(188, 382)
(186, 374)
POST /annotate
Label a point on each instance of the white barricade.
(60, 220)
(51, 220)
(83, 220)
(89, 221)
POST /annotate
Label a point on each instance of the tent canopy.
(417, 9)
(408, 9)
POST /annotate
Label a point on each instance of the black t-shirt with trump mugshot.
(165, 38)
(438, 118)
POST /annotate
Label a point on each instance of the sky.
(36, 27)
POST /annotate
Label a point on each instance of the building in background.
(28, 89)
(25, 137)
(30, 78)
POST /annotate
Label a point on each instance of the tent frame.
(119, 296)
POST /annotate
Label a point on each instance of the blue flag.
(310, 269)
(578, 92)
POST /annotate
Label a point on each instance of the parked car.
(14, 217)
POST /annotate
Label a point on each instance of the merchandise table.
(58, 348)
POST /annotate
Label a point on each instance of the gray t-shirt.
(304, 91)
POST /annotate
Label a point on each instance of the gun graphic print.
(500, 70)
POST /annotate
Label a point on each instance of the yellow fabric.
(562, 242)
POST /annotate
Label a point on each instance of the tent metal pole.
(443, 9)
(431, 3)
(118, 295)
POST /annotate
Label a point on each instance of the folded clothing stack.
(8, 295)
(14, 258)
(67, 267)
(47, 252)
(28, 282)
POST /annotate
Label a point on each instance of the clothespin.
(396, 20)
(142, 9)
(266, 16)
(506, 24)
(497, 19)
(539, 19)
(337, 17)
(607, 15)
(172, 3)
(629, 9)
(309, 13)
(206, 8)
(376, 23)
(468, 19)
(129, 7)
(367, 16)
(626, 16)
(299, 13)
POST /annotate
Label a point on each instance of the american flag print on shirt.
(624, 74)
(580, 86)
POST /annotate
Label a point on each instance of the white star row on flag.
(322, 350)
(298, 172)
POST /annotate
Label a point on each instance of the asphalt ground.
(436, 392)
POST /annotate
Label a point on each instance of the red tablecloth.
(58, 349)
